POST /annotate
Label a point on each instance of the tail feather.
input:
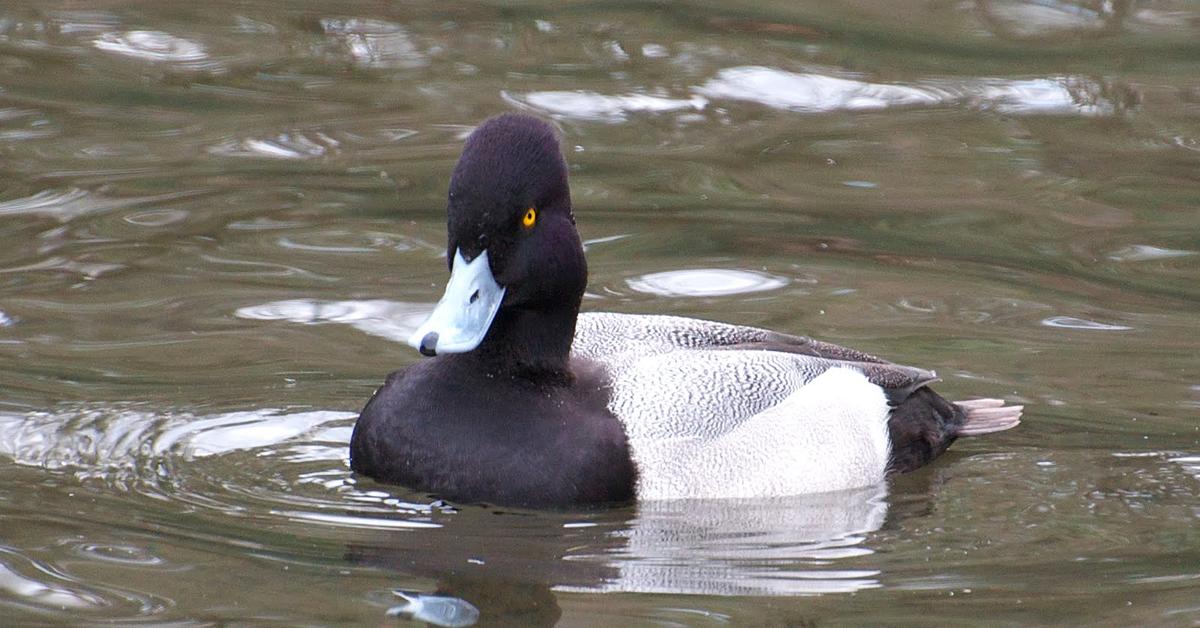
(984, 416)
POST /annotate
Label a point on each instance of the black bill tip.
(429, 344)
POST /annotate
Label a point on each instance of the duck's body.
(538, 405)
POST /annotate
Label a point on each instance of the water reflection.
(282, 146)
(70, 203)
(584, 105)
(42, 593)
(375, 43)
(705, 282)
(120, 554)
(1190, 464)
(31, 125)
(809, 92)
(113, 441)
(812, 92)
(439, 610)
(155, 218)
(1022, 19)
(236, 431)
(1145, 252)
(510, 564)
(67, 266)
(64, 204)
(47, 590)
(394, 320)
(783, 546)
(151, 46)
(1071, 322)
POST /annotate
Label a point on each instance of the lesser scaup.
(530, 403)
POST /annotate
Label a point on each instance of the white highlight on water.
(705, 282)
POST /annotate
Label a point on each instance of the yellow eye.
(529, 218)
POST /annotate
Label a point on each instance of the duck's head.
(517, 270)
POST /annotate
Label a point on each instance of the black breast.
(445, 427)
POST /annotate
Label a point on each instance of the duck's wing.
(600, 334)
(694, 392)
(619, 338)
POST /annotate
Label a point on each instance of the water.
(220, 219)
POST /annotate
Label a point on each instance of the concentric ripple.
(44, 587)
(705, 282)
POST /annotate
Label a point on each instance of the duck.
(523, 401)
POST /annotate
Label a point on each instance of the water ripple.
(264, 269)
(12, 113)
(334, 138)
(65, 204)
(341, 241)
(155, 46)
(69, 203)
(31, 124)
(375, 43)
(1021, 20)
(705, 282)
(88, 270)
(156, 217)
(40, 584)
(1062, 95)
(236, 431)
(282, 146)
(120, 554)
(592, 106)
(1191, 464)
(233, 463)
(47, 594)
(394, 320)
(1145, 252)
(812, 92)
(369, 523)
(83, 21)
(1071, 322)
(95, 441)
(240, 464)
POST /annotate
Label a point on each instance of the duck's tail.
(985, 416)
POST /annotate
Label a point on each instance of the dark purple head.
(509, 198)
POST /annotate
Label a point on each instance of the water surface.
(221, 219)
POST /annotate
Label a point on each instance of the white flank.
(829, 435)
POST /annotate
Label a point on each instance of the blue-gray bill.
(462, 317)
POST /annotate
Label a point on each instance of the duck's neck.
(530, 343)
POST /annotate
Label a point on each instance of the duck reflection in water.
(512, 565)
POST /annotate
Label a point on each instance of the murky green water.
(218, 218)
